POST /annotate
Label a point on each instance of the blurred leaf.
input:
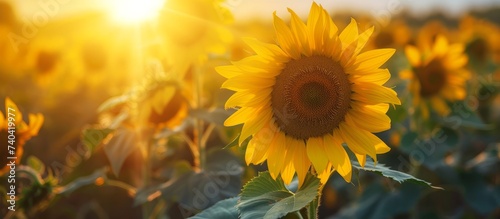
(82, 181)
(221, 179)
(431, 150)
(408, 141)
(263, 197)
(216, 116)
(479, 195)
(447, 136)
(119, 148)
(463, 116)
(223, 209)
(376, 202)
(365, 204)
(36, 164)
(93, 137)
(393, 174)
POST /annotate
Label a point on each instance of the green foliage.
(392, 174)
(121, 145)
(195, 191)
(93, 137)
(377, 202)
(82, 181)
(36, 164)
(264, 197)
(223, 209)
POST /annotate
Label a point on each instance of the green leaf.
(223, 209)
(82, 181)
(36, 164)
(93, 137)
(479, 195)
(119, 148)
(393, 174)
(195, 191)
(376, 202)
(463, 116)
(264, 197)
(215, 116)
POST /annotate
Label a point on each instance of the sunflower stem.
(313, 207)
(199, 126)
(146, 207)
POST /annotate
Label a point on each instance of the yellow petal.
(406, 74)
(245, 82)
(371, 93)
(266, 50)
(262, 142)
(275, 160)
(361, 159)
(240, 116)
(300, 31)
(349, 35)
(285, 38)
(440, 106)
(255, 123)
(228, 71)
(316, 153)
(35, 123)
(325, 175)
(358, 140)
(369, 119)
(312, 20)
(440, 46)
(249, 98)
(373, 59)
(363, 39)
(288, 171)
(338, 156)
(413, 55)
(256, 66)
(301, 161)
(378, 76)
(11, 107)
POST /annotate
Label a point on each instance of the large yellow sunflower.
(305, 97)
(23, 132)
(437, 75)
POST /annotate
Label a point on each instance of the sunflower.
(396, 34)
(23, 132)
(302, 99)
(480, 37)
(438, 75)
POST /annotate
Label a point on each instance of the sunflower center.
(310, 97)
(432, 78)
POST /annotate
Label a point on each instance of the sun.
(134, 11)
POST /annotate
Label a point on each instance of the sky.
(263, 9)
(245, 9)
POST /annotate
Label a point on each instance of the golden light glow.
(134, 11)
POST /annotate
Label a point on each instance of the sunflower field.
(225, 109)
